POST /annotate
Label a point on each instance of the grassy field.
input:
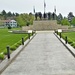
(71, 38)
(7, 38)
(70, 35)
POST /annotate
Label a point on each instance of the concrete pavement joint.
(5, 63)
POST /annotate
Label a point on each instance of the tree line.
(23, 19)
(69, 20)
(26, 19)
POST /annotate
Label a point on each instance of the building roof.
(7, 20)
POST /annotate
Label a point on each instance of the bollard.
(32, 33)
(29, 35)
(60, 35)
(22, 41)
(66, 39)
(8, 52)
(57, 32)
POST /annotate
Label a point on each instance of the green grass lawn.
(7, 38)
(71, 38)
(70, 35)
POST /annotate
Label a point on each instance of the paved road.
(45, 55)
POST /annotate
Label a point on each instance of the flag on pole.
(55, 9)
(44, 4)
(34, 9)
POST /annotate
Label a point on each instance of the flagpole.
(44, 6)
(34, 9)
(55, 11)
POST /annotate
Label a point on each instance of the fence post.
(32, 33)
(60, 34)
(8, 52)
(22, 41)
(57, 32)
(29, 35)
(66, 39)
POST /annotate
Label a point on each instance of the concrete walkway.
(45, 55)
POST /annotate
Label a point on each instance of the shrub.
(2, 56)
(9, 27)
(12, 48)
(73, 44)
(70, 41)
(63, 37)
(26, 38)
(16, 45)
(19, 43)
(5, 52)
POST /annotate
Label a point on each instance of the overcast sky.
(26, 6)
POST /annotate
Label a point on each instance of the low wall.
(44, 25)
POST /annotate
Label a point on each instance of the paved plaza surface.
(44, 55)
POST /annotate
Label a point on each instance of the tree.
(53, 16)
(16, 14)
(49, 15)
(3, 13)
(70, 16)
(36, 15)
(73, 21)
(45, 15)
(9, 14)
(65, 22)
(13, 14)
(40, 15)
(20, 21)
(25, 19)
(31, 18)
(59, 18)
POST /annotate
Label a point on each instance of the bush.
(26, 38)
(2, 56)
(9, 27)
(65, 22)
(19, 43)
(63, 37)
(16, 45)
(12, 48)
(70, 41)
(73, 44)
(5, 52)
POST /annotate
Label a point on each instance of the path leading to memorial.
(44, 55)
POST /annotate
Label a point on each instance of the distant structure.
(55, 12)
(34, 9)
(44, 10)
(44, 6)
(7, 23)
(45, 15)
